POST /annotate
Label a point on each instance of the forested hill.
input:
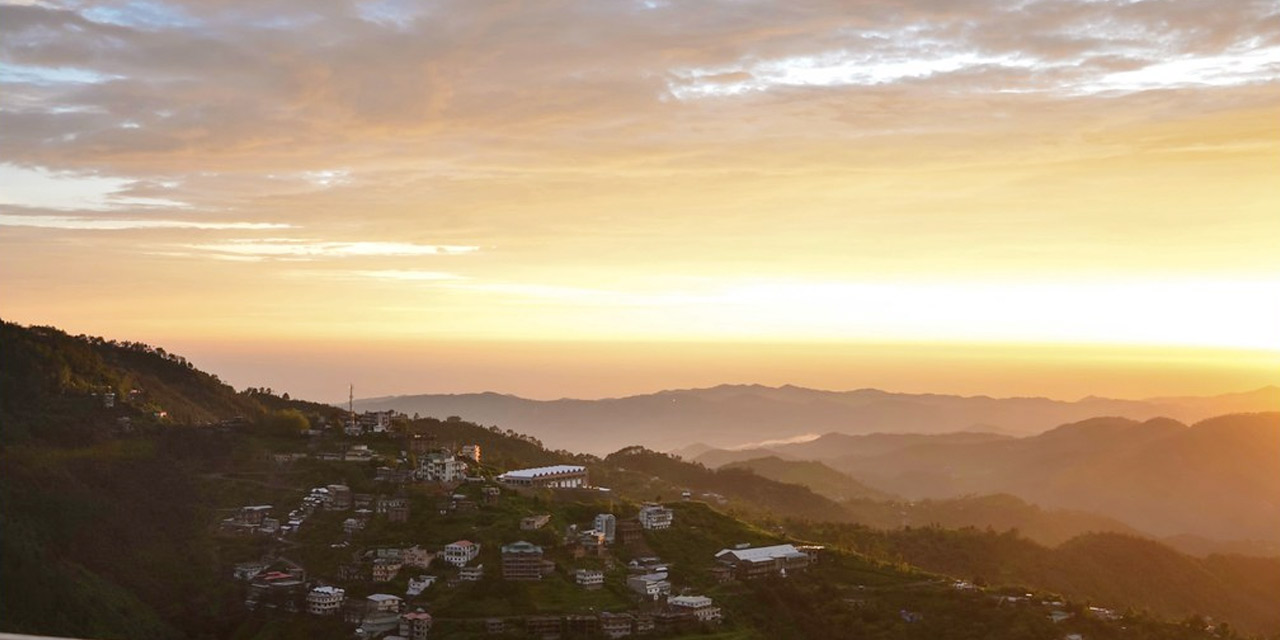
(108, 513)
(73, 390)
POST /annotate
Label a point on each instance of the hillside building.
(757, 562)
(607, 524)
(702, 607)
(655, 516)
(461, 552)
(560, 476)
(521, 561)
(441, 466)
(415, 625)
(325, 601)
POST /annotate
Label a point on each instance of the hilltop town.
(143, 498)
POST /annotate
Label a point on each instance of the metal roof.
(537, 472)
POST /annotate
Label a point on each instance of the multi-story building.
(655, 516)
(750, 563)
(385, 569)
(589, 578)
(471, 574)
(702, 607)
(521, 561)
(340, 497)
(471, 451)
(441, 466)
(461, 552)
(615, 625)
(607, 524)
(325, 601)
(417, 556)
(560, 476)
(383, 602)
(650, 585)
(415, 625)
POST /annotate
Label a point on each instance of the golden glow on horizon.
(671, 173)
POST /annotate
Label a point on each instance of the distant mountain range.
(1219, 478)
(730, 416)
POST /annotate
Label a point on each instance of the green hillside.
(111, 532)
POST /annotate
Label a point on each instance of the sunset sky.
(596, 198)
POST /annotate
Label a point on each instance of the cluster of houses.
(279, 583)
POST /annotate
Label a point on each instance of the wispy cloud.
(389, 275)
(122, 224)
(301, 249)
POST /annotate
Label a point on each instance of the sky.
(594, 198)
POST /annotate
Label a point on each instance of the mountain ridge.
(729, 415)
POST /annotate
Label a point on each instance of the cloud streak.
(301, 249)
(84, 223)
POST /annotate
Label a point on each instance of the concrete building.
(607, 524)
(589, 578)
(471, 574)
(461, 552)
(655, 516)
(415, 625)
(325, 601)
(560, 476)
(417, 556)
(441, 466)
(651, 586)
(702, 607)
(419, 584)
(533, 523)
(521, 561)
(615, 625)
(384, 569)
(471, 452)
(383, 602)
(339, 497)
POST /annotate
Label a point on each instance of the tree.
(288, 422)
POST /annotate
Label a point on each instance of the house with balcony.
(461, 552)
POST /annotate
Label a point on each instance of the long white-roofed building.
(560, 476)
(756, 562)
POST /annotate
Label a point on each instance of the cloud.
(121, 224)
(299, 249)
(229, 83)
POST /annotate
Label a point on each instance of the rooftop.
(759, 554)
(692, 602)
(537, 472)
(521, 547)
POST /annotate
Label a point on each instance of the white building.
(655, 516)
(461, 552)
(383, 602)
(439, 466)
(607, 524)
(471, 574)
(471, 451)
(560, 476)
(589, 578)
(325, 601)
(651, 585)
(419, 584)
(702, 607)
